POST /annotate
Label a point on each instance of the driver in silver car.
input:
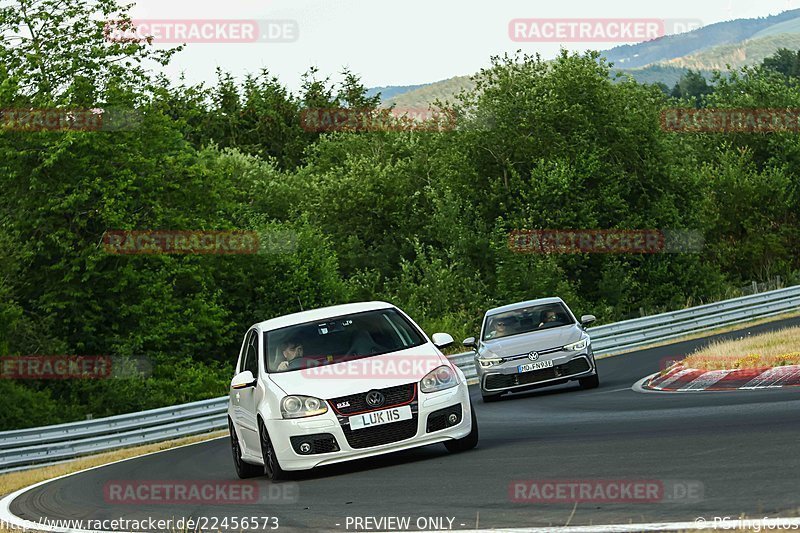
(549, 316)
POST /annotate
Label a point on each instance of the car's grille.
(525, 355)
(504, 381)
(356, 403)
(379, 435)
(437, 420)
(320, 443)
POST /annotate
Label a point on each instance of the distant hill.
(427, 94)
(749, 52)
(675, 46)
(737, 43)
(790, 26)
(393, 90)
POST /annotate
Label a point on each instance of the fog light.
(452, 419)
(305, 447)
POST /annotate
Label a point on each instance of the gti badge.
(342, 404)
(375, 399)
(533, 356)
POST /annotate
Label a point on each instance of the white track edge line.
(6, 516)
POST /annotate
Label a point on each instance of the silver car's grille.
(525, 355)
(579, 365)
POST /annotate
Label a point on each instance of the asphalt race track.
(741, 446)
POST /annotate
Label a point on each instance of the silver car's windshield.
(526, 320)
(335, 340)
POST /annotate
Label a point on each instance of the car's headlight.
(440, 378)
(489, 358)
(486, 362)
(302, 406)
(577, 346)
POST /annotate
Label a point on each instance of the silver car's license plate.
(538, 365)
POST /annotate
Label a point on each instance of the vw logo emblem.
(533, 356)
(375, 399)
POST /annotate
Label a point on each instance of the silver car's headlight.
(488, 359)
(577, 346)
(487, 362)
(302, 406)
(440, 378)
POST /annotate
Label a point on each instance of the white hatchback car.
(339, 383)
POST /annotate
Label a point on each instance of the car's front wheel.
(465, 443)
(243, 470)
(272, 467)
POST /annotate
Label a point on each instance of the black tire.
(488, 398)
(272, 467)
(243, 470)
(592, 382)
(465, 443)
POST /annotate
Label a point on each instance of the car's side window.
(251, 353)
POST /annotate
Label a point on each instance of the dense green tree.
(693, 86)
(785, 61)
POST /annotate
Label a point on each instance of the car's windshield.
(334, 340)
(525, 320)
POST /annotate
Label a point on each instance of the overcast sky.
(406, 42)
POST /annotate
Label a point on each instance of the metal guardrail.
(48, 444)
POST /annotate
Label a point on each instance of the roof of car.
(520, 305)
(320, 314)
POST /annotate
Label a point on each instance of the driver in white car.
(291, 350)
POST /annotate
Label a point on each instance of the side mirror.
(587, 319)
(442, 340)
(243, 380)
(469, 342)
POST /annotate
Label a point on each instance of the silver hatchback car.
(533, 344)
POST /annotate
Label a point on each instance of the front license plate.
(538, 365)
(377, 418)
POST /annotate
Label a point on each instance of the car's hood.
(361, 375)
(535, 341)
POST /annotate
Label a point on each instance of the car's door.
(234, 401)
(245, 399)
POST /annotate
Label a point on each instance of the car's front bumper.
(412, 435)
(507, 378)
